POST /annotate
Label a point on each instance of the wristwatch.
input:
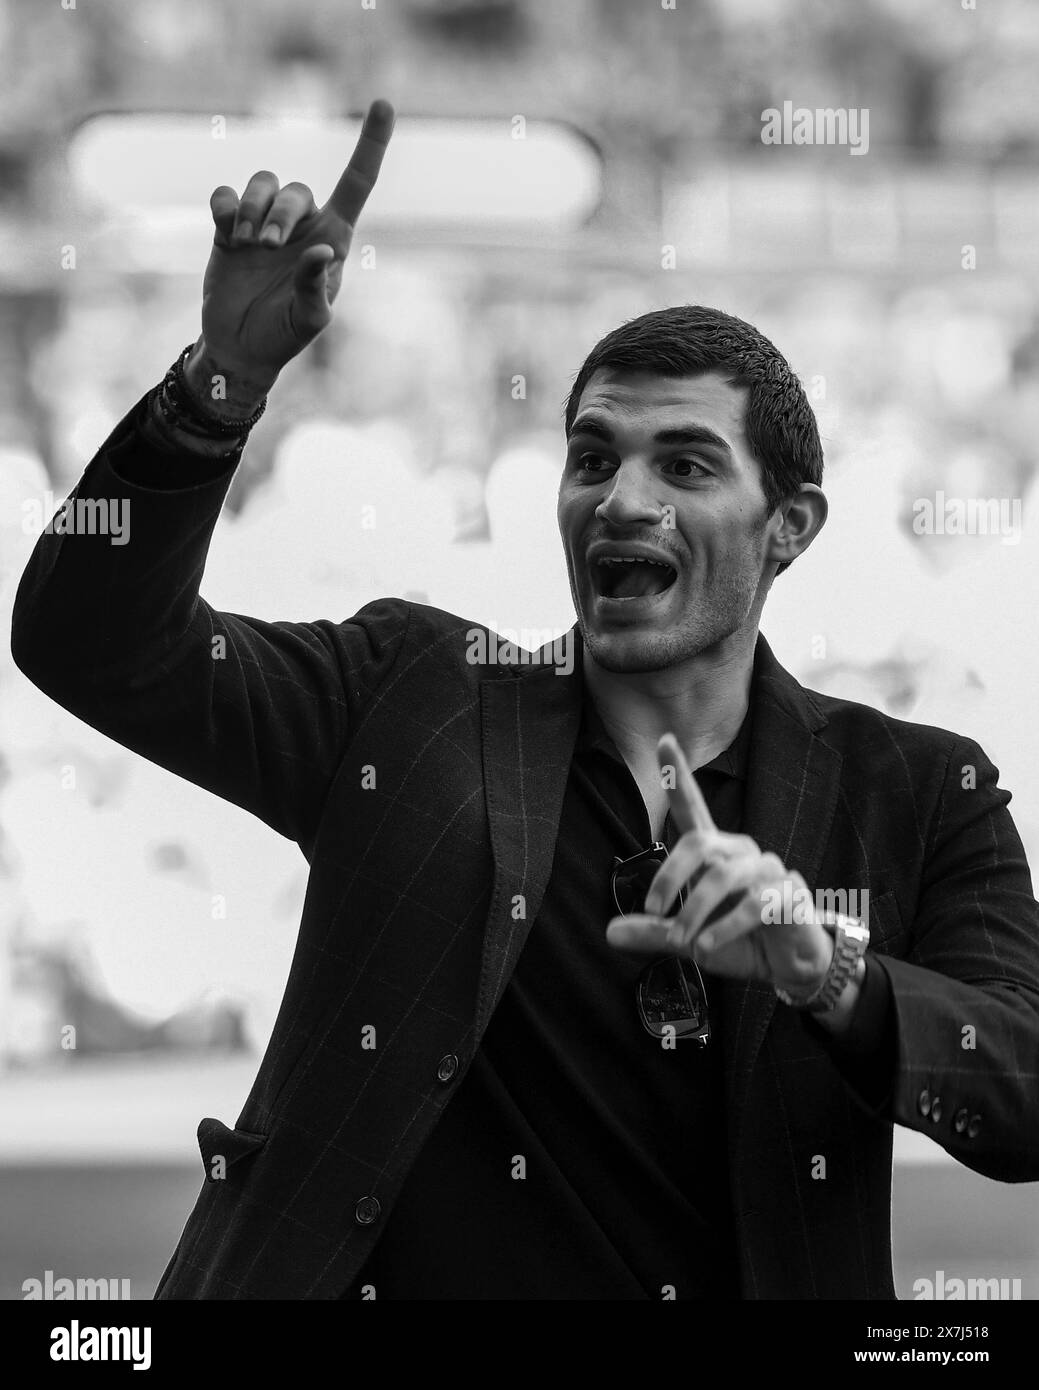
(850, 939)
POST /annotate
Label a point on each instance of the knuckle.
(259, 188)
(361, 176)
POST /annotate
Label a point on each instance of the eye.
(586, 461)
(684, 467)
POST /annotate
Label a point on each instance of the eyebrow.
(683, 434)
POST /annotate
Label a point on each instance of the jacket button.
(959, 1123)
(447, 1067)
(366, 1210)
(936, 1109)
(974, 1126)
(923, 1104)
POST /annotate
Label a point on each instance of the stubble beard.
(634, 651)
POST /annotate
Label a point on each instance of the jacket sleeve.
(865, 1053)
(114, 630)
(965, 999)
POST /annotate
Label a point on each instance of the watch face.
(854, 929)
(850, 928)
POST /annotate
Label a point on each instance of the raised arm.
(112, 626)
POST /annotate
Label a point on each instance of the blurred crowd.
(415, 450)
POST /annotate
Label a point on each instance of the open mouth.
(630, 577)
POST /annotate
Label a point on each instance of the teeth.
(632, 560)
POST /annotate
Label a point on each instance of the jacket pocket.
(221, 1147)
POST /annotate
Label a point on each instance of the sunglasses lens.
(671, 995)
(672, 1001)
(631, 884)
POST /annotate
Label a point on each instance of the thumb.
(310, 284)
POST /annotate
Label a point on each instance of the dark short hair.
(690, 340)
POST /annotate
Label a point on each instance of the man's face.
(659, 467)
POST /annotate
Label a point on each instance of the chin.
(628, 653)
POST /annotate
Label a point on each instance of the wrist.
(220, 387)
(813, 963)
(838, 1019)
(162, 431)
(850, 939)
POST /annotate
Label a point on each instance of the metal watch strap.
(850, 939)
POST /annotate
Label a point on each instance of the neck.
(702, 701)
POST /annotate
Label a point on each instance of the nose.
(630, 498)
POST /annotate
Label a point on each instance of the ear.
(800, 519)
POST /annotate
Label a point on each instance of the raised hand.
(717, 867)
(277, 263)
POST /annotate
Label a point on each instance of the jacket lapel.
(793, 781)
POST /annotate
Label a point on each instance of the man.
(543, 1036)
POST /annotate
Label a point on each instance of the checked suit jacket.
(470, 764)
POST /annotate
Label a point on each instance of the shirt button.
(447, 1067)
(366, 1210)
(936, 1109)
(959, 1123)
(974, 1126)
(923, 1104)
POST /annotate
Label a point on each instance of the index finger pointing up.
(688, 806)
(358, 178)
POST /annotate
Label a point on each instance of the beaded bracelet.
(176, 398)
(178, 426)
